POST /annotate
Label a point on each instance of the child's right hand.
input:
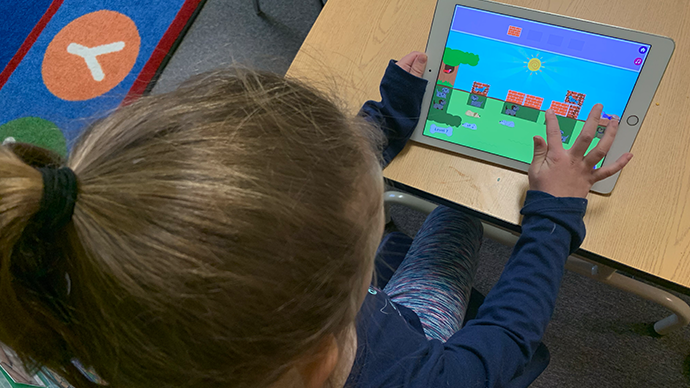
(569, 173)
(413, 63)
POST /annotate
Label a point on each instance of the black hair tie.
(60, 191)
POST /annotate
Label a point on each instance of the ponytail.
(34, 282)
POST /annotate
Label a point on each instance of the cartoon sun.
(534, 64)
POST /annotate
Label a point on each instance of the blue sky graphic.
(504, 67)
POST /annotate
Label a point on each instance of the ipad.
(495, 69)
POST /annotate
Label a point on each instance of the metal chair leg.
(681, 311)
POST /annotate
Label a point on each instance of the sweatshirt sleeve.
(399, 109)
(495, 346)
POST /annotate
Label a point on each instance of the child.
(224, 234)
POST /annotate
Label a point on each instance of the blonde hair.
(218, 236)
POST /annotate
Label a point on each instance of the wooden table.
(644, 226)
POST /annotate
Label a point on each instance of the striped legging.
(435, 278)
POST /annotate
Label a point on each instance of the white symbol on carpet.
(90, 55)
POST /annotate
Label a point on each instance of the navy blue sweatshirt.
(495, 346)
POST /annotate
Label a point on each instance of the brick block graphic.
(573, 111)
(574, 98)
(515, 97)
(533, 101)
(514, 31)
(560, 108)
(480, 88)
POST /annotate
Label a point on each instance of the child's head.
(222, 234)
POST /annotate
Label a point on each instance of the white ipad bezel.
(650, 76)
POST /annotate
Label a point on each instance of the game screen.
(500, 74)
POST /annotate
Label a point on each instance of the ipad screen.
(499, 75)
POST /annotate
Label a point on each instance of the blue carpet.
(51, 87)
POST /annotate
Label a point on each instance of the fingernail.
(422, 59)
(549, 111)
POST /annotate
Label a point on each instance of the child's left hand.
(413, 63)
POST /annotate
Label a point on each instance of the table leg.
(407, 200)
(681, 311)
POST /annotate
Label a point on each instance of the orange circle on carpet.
(91, 55)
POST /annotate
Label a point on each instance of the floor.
(228, 32)
(599, 336)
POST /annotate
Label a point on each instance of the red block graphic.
(575, 98)
(480, 88)
(533, 101)
(573, 111)
(560, 108)
(515, 97)
(514, 31)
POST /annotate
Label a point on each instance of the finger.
(406, 62)
(553, 132)
(602, 148)
(605, 172)
(540, 150)
(588, 131)
(419, 65)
